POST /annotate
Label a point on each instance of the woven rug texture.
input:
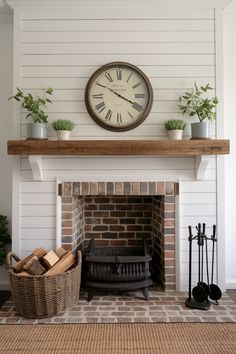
(181, 338)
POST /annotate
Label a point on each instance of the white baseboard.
(230, 284)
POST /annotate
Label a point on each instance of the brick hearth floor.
(130, 307)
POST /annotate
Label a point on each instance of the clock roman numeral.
(100, 85)
(119, 118)
(119, 74)
(108, 76)
(108, 115)
(99, 95)
(139, 95)
(100, 107)
(129, 77)
(138, 107)
(137, 85)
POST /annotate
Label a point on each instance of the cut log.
(25, 274)
(62, 265)
(61, 252)
(50, 259)
(39, 252)
(34, 267)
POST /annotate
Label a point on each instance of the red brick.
(169, 254)
(118, 242)
(110, 221)
(102, 243)
(116, 228)
(100, 228)
(101, 214)
(169, 207)
(134, 228)
(126, 235)
(110, 235)
(68, 247)
(169, 239)
(169, 222)
(66, 223)
(100, 200)
(118, 214)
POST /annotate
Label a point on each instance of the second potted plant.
(175, 128)
(37, 129)
(63, 128)
(195, 103)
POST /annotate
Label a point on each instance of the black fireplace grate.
(117, 268)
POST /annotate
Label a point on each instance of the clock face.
(118, 96)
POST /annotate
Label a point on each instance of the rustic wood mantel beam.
(119, 147)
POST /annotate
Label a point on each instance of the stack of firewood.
(41, 262)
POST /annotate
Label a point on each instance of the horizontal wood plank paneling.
(113, 163)
(38, 187)
(161, 71)
(129, 12)
(101, 59)
(190, 199)
(113, 175)
(116, 48)
(117, 25)
(62, 48)
(83, 118)
(35, 243)
(199, 210)
(80, 83)
(37, 221)
(119, 37)
(35, 210)
(38, 233)
(86, 71)
(79, 106)
(38, 198)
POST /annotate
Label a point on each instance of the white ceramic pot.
(175, 134)
(36, 130)
(201, 130)
(63, 134)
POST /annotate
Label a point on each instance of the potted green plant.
(63, 127)
(195, 103)
(175, 128)
(37, 129)
(5, 238)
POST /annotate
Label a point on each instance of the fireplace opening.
(116, 218)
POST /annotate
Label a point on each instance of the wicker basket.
(44, 296)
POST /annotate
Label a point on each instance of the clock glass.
(118, 96)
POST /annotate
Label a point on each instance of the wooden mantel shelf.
(119, 147)
(201, 149)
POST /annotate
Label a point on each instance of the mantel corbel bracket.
(201, 164)
(36, 163)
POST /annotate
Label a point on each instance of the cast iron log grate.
(117, 269)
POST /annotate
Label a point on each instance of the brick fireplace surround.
(122, 214)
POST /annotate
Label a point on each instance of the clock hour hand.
(116, 93)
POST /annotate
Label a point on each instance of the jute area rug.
(181, 338)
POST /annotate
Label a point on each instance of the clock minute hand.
(116, 93)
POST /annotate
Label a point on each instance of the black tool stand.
(191, 302)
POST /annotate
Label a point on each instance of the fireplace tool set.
(201, 295)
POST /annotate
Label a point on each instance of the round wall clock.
(118, 96)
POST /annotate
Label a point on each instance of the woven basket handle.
(79, 257)
(11, 256)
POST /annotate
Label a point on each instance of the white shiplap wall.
(62, 48)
